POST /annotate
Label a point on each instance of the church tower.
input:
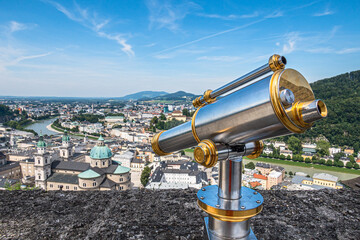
(66, 149)
(42, 163)
(85, 139)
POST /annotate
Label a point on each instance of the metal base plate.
(207, 235)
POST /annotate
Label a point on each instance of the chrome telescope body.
(276, 105)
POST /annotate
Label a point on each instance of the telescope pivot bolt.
(287, 97)
(206, 153)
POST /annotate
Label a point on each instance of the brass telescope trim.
(193, 128)
(299, 115)
(206, 153)
(155, 145)
(275, 63)
(259, 147)
(229, 215)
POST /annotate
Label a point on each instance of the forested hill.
(341, 95)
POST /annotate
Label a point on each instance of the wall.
(324, 214)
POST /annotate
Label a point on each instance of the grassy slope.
(307, 165)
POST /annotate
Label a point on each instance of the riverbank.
(52, 129)
(59, 130)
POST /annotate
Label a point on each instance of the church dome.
(100, 151)
(41, 143)
(66, 137)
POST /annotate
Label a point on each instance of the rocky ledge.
(171, 214)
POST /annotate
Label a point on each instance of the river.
(40, 126)
(310, 171)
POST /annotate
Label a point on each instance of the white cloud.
(275, 14)
(210, 36)
(15, 26)
(91, 21)
(320, 50)
(348, 50)
(22, 58)
(165, 14)
(326, 12)
(252, 15)
(150, 45)
(229, 17)
(10, 56)
(292, 39)
(126, 48)
(220, 58)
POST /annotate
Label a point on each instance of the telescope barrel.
(280, 104)
(275, 63)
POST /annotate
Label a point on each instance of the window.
(51, 185)
(75, 188)
(96, 163)
(67, 187)
(121, 179)
(94, 184)
(39, 177)
(103, 163)
(84, 184)
(38, 161)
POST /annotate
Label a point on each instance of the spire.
(101, 141)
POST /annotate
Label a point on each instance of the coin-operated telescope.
(268, 102)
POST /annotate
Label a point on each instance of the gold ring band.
(193, 125)
(155, 145)
(229, 215)
(259, 146)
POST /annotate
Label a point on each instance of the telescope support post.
(229, 198)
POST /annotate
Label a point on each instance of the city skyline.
(91, 48)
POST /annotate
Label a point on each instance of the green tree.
(250, 165)
(322, 147)
(329, 163)
(349, 165)
(337, 156)
(352, 159)
(295, 144)
(322, 161)
(291, 173)
(186, 112)
(340, 164)
(307, 160)
(356, 166)
(282, 157)
(145, 176)
(162, 117)
(288, 157)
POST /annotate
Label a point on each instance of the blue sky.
(114, 48)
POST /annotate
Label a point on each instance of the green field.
(307, 165)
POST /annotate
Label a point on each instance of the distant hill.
(341, 95)
(177, 96)
(142, 95)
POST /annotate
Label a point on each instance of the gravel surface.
(171, 214)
